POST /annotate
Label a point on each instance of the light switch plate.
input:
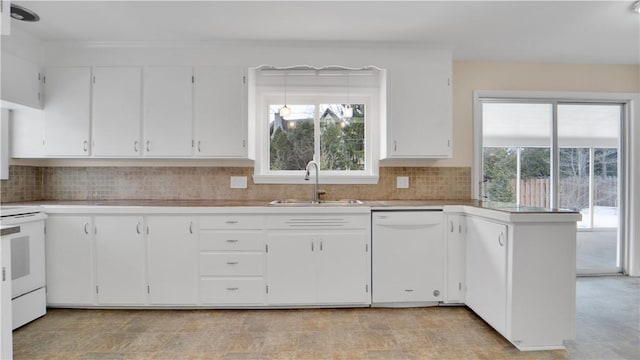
(402, 182)
(238, 182)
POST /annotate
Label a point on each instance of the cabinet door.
(120, 260)
(487, 271)
(27, 133)
(456, 257)
(20, 81)
(173, 260)
(67, 99)
(117, 110)
(342, 268)
(220, 112)
(168, 111)
(291, 268)
(408, 257)
(69, 260)
(419, 120)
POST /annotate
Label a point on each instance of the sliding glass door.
(589, 143)
(519, 140)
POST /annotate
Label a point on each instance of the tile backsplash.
(27, 183)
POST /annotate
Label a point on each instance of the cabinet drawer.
(231, 264)
(232, 291)
(231, 241)
(228, 222)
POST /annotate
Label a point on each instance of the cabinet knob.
(436, 293)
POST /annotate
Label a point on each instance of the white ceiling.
(604, 32)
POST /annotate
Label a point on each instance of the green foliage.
(342, 145)
(292, 149)
(535, 163)
(499, 166)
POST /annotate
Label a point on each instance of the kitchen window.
(333, 120)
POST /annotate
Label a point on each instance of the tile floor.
(607, 323)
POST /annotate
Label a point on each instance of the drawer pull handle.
(501, 239)
(86, 228)
(138, 227)
(232, 221)
(232, 241)
(232, 263)
(191, 227)
(408, 290)
(232, 288)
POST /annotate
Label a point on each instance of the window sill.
(324, 179)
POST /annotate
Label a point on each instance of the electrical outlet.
(402, 182)
(238, 182)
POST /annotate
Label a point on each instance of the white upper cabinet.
(117, 110)
(418, 120)
(20, 81)
(67, 111)
(220, 112)
(168, 111)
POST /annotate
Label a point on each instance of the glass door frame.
(555, 99)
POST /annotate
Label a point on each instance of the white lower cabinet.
(69, 260)
(487, 245)
(456, 248)
(120, 260)
(521, 278)
(172, 255)
(232, 260)
(408, 257)
(318, 260)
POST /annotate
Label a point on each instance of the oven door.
(27, 254)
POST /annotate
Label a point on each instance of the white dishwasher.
(408, 258)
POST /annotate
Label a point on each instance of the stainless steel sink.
(298, 202)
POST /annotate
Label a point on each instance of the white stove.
(28, 296)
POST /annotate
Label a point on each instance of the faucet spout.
(316, 195)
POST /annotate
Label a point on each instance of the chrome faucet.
(316, 194)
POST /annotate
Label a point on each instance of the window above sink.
(332, 118)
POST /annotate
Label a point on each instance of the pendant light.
(285, 111)
(347, 110)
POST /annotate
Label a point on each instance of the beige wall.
(471, 76)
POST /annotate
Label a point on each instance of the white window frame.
(317, 95)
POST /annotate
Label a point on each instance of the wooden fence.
(535, 192)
